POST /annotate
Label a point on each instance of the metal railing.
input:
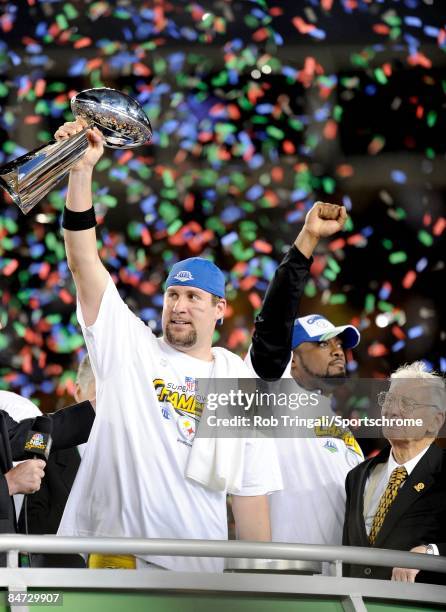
(12, 544)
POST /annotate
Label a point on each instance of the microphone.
(38, 440)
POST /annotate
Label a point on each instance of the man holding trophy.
(136, 477)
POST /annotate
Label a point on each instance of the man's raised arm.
(89, 274)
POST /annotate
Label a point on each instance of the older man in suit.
(397, 500)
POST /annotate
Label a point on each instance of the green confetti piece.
(380, 76)
(328, 184)
(349, 225)
(333, 264)
(19, 328)
(330, 274)
(168, 211)
(62, 22)
(174, 227)
(425, 238)
(9, 147)
(296, 125)
(397, 257)
(310, 289)
(369, 303)
(3, 345)
(430, 153)
(53, 319)
(109, 200)
(4, 91)
(274, 132)
(70, 11)
(431, 118)
(385, 306)
(338, 298)
(387, 244)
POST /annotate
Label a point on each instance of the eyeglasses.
(407, 405)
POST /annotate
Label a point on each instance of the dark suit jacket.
(45, 508)
(71, 426)
(415, 517)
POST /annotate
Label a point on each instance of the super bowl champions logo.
(36, 442)
(187, 407)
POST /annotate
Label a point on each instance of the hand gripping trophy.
(120, 118)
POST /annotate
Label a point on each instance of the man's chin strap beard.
(321, 382)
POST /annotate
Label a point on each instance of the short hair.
(85, 376)
(418, 369)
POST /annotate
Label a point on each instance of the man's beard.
(181, 341)
(327, 379)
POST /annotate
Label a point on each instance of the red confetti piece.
(302, 26)
(255, 299)
(260, 35)
(357, 239)
(345, 170)
(318, 265)
(377, 349)
(39, 87)
(248, 283)
(11, 267)
(141, 69)
(288, 147)
(32, 119)
(409, 279)
(330, 129)
(419, 59)
(82, 43)
(398, 332)
(125, 157)
(146, 236)
(337, 244)
(66, 297)
(277, 174)
(439, 226)
(262, 247)
(381, 28)
(327, 4)
(275, 11)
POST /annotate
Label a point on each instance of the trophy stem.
(30, 177)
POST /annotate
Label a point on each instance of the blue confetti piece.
(398, 346)
(229, 239)
(414, 22)
(346, 200)
(415, 332)
(421, 264)
(318, 34)
(255, 192)
(398, 176)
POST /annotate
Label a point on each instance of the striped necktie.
(397, 477)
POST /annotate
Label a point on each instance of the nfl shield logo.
(191, 383)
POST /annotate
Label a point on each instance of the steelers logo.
(186, 427)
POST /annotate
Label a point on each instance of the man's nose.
(180, 304)
(337, 350)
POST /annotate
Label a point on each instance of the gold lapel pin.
(419, 487)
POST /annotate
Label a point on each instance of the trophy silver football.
(120, 118)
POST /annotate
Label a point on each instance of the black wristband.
(77, 221)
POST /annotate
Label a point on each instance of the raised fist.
(324, 219)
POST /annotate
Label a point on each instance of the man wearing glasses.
(397, 500)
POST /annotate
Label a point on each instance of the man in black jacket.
(45, 508)
(70, 427)
(310, 509)
(397, 500)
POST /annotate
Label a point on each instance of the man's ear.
(220, 310)
(77, 392)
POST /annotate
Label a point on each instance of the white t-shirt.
(311, 507)
(131, 479)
